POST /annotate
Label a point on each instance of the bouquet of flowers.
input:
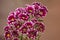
(26, 23)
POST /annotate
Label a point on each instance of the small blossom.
(15, 38)
(7, 28)
(16, 13)
(17, 25)
(40, 26)
(42, 12)
(32, 33)
(30, 9)
(23, 29)
(15, 33)
(8, 35)
(36, 5)
(11, 18)
(24, 17)
(29, 24)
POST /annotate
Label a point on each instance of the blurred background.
(52, 20)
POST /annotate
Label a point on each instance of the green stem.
(30, 38)
(21, 37)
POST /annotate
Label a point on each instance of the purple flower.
(23, 29)
(45, 8)
(17, 25)
(15, 33)
(7, 28)
(16, 13)
(11, 18)
(32, 33)
(40, 26)
(42, 12)
(8, 34)
(36, 5)
(15, 38)
(29, 24)
(30, 9)
(24, 17)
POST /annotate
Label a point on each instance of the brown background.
(52, 20)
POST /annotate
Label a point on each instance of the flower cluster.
(26, 21)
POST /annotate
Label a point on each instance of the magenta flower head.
(18, 11)
(7, 35)
(30, 9)
(17, 25)
(36, 5)
(23, 17)
(40, 26)
(23, 29)
(32, 33)
(29, 24)
(40, 10)
(15, 38)
(43, 12)
(11, 19)
(15, 33)
(7, 28)
(26, 23)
